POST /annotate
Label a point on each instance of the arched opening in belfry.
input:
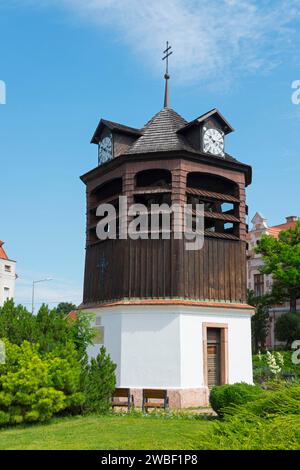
(154, 187)
(213, 183)
(107, 190)
(106, 193)
(154, 178)
(220, 199)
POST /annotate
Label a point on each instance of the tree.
(64, 308)
(99, 382)
(281, 258)
(54, 330)
(16, 323)
(260, 320)
(80, 332)
(49, 328)
(287, 328)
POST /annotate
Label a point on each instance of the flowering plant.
(275, 361)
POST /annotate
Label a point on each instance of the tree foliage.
(63, 308)
(80, 332)
(260, 320)
(16, 323)
(281, 258)
(287, 328)
(49, 328)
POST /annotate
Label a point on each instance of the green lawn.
(107, 433)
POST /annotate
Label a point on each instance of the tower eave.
(228, 162)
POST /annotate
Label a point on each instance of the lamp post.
(33, 286)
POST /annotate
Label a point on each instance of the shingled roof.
(114, 126)
(165, 132)
(160, 134)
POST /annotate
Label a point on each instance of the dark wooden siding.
(152, 269)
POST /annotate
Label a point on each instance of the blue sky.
(67, 63)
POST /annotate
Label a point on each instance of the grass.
(110, 432)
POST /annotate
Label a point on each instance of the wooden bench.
(155, 399)
(120, 393)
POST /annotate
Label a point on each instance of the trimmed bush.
(237, 394)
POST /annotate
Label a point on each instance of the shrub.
(99, 383)
(271, 421)
(285, 401)
(246, 431)
(237, 394)
(34, 387)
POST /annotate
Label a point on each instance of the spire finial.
(167, 54)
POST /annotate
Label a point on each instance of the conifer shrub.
(285, 401)
(270, 422)
(223, 396)
(244, 430)
(35, 386)
(99, 383)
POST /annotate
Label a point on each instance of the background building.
(260, 283)
(7, 276)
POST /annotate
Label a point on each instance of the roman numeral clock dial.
(213, 141)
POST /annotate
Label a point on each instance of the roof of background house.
(276, 229)
(72, 315)
(3, 255)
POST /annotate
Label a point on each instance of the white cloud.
(211, 39)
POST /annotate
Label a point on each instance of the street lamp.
(33, 284)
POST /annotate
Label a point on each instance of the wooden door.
(213, 357)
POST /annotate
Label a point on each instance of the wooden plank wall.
(118, 269)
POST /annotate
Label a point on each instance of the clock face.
(105, 149)
(213, 142)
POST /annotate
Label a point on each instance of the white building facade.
(7, 276)
(164, 346)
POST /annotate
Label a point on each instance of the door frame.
(223, 351)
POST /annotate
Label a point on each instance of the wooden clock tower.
(171, 318)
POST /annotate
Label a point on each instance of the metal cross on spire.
(167, 54)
